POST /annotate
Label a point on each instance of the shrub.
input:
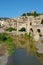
(3, 36)
(11, 29)
(28, 36)
(7, 41)
(10, 45)
(22, 29)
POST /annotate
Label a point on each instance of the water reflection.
(24, 52)
(29, 45)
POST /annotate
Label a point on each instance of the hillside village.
(21, 32)
(24, 32)
(31, 25)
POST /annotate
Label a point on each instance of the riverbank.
(4, 58)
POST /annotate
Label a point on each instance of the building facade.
(30, 23)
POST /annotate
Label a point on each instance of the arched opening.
(40, 35)
(30, 23)
(31, 29)
(38, 30)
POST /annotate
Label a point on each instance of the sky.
(15, 8)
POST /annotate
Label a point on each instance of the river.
(25, 53)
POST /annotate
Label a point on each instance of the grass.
(8, 42)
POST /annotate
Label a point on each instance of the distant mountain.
(3, 18)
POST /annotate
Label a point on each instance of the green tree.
(24, 14)
(29, 14)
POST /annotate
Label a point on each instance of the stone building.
(31, 24)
